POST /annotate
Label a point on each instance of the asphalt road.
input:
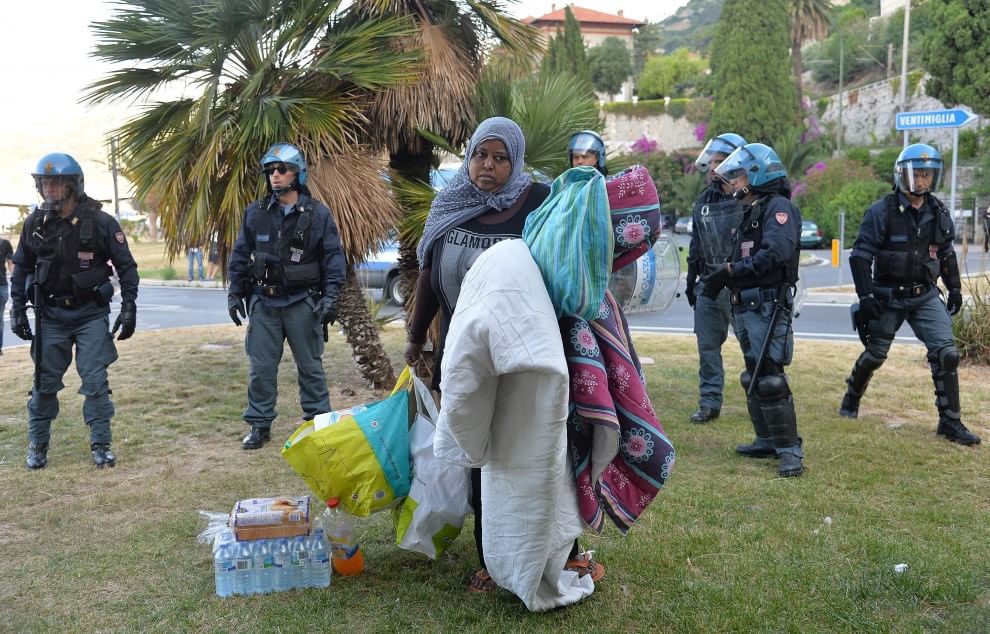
(824, 316)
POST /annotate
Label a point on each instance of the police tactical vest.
(751, 230)
(283, 256)
(72, 260)
(909, 253)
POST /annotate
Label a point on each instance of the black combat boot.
(102, 456)
(257, 438)
(705, 414)
(762, 446)
(37, 455)
(946, 378)
(782, 423)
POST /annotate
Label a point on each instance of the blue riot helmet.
(724, 144)
(912, 159)
(291, 157)
(587, 141)
(59, 165)
(758, 162)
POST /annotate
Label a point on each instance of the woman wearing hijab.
(487, 201)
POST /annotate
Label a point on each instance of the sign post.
(928, 119)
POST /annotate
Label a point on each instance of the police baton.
(37, 337)
(779, 306)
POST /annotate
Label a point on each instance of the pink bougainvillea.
(701, 131)
(645, 145)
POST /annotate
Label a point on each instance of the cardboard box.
(267, 518)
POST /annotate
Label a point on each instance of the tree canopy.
(956, 54)
(610, 64)
(665, 75)
(565, 52)
(751, 64)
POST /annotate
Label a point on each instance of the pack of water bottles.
(261, 566)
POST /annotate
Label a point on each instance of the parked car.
(684, 224)
(811, 235)
(381, 270)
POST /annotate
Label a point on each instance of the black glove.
(19, 323)
(714, 282)
(870, 308)
(326, 309)
(126, 321)
(235, 306)
(689, 291)
(955, 301)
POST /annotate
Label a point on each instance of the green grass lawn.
(726, 547)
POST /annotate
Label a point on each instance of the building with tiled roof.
(595, 25)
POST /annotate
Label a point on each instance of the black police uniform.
(284, 262)
(898, 256)
(763, 273)
(68, 258)
(712, 316)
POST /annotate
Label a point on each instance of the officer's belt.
(766, 295)
(64, 301)
(901, 292)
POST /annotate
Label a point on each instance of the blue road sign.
(954, 118)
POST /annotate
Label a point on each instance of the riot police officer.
(62, 261)
(716, 213)
(587, 149)
(285, 271)
(761, 275)
(904, 245)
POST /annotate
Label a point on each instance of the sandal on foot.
(481, 581)
(584, 564)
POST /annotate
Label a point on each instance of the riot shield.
(650, 283)
(716, 225)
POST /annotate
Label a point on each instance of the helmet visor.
(715, 146)
(737, 164)
(920, 176)
(584, 142)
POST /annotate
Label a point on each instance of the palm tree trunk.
(362, 335)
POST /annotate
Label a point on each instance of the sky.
(45, 60)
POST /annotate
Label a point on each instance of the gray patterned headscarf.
(461, 200)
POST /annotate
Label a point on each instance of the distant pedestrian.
(285, 271)
(6, 265)
(986, 230)
(213, 260)
(194, 255)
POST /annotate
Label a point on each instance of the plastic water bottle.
(263, 570)
(319, 559)
(347, 557)
(282, 565)
(223, 565)
(300, 562)
(243, 561)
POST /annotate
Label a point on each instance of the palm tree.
(250, 73)
(809, 21)
(407, 120)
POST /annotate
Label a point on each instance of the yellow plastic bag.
(362, 458)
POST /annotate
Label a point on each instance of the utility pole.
(113, 171)
(838, 131)
(904, 61)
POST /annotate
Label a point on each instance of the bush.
(971, 327)
(168, 273)
(677, 108)
(882, 164)
(666, 170)
(854, 198)
(859, 154)
(969, 144)
(822, 186)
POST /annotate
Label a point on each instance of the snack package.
(266, 518)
